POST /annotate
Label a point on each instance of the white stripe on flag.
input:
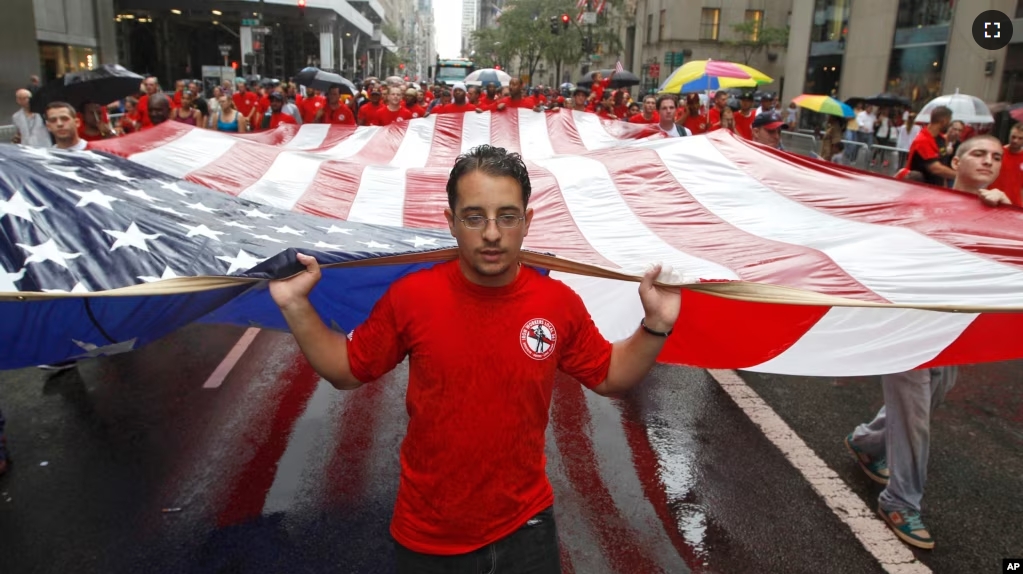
(309, 136)
(351, 145)
(593, 135)
(475, 130)
(869, 341)
(608, 224)
(894, 262)
(414, 150)
(190, 152)
(614, 305)
(381, 196)
(534, 137)
(286, 181)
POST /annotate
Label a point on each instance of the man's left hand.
(660, 304)
(993, 197)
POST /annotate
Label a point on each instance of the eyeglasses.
(477, 222)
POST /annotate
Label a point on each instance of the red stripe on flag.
(991, 337)
(572, 424)
(504, 129)
(279, 136)
(147, 140)
(943, 215)
(551, 214)
(626, 131)
(247, 494)
(235, 171)
(447, 140)
(661, 203)
(564, 135)
(426, 197)
(346, 475)
(335, 135)
(336, 184)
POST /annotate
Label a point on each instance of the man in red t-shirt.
(926, 151)
(720, 101)
(277, 117)
(694, 120)
(516, 98)
(489, 97)
(745, 116)
(411, 103)
(335, 112)
(391, 112)
(1010, 179)
(459, 105)
(246, 102)
(649, 113)
(370, 106)
(152, 87)
(473, 474)
(311, 105)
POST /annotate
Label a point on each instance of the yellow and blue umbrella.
(708, 75)
(824, 105)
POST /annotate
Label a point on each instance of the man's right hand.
(288, 292)
(993, 197)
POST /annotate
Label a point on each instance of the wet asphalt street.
(127, 464)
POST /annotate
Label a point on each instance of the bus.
(453, 70)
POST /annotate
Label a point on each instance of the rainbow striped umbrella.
(704, 75)
(824, 105)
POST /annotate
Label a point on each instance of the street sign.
(589, 18)
(655, 70)
(225, 49)
(261, 30)
(250, 22)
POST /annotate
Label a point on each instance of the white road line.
(875, 536)
(232, 358)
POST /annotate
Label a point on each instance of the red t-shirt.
(523, 102)
(143, 111)
(1010, 178)
(454, 108)
(599, 87)
(281, 118)
(385, 117)
(244, 103)
(472, 462)
(925, 149)
(696, 124)
(416, 110)
(715, 119)
(342, 115)
(486, 103)
(367, 111)
(639, 119)
(744, 125)
(621, 111)
(309, 107)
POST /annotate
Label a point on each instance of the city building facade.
(470, 19)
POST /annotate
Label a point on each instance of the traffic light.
(234, 64)
(401, 66)
(301, 7)
(555, 29)
(565, 21)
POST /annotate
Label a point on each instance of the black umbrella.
(621, 79)
(104, 85)
(887, 100)
(322, 81)
(855, 101)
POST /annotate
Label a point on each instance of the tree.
(753, 38)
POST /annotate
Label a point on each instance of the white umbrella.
(965, 108)
(473, 79)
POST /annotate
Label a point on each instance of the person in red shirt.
(94, 124)
(744, 117)
(263, 101)
(489, 97)
(411, 103)
(580, 102)
(473, 95)
(370, 106)
(473, 481)
(694, 120)
(621, 108)
(927, 149)
(516, 98)
(392, 111)
(459, 105)
(600, 83)
(649, 113)
(179, 90)
(152, 87)
(720, 103)
(277, 117)
(335, 112)
(311, 105)
(246, 102)
(1010, 178)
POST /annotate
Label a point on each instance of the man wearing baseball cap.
(744, 117)
(767, 129)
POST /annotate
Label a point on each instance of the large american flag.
(798, 267)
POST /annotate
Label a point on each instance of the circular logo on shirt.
(538, 338)
(340, 117)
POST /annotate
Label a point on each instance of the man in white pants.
(893, 448)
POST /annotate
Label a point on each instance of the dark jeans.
(3, 441)
(532, 549)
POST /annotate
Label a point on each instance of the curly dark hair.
(493, 161)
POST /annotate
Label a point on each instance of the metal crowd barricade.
(857, 154)
(886, 160)
(802, 144)
(7, 133)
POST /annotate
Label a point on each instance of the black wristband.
(642, 323)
